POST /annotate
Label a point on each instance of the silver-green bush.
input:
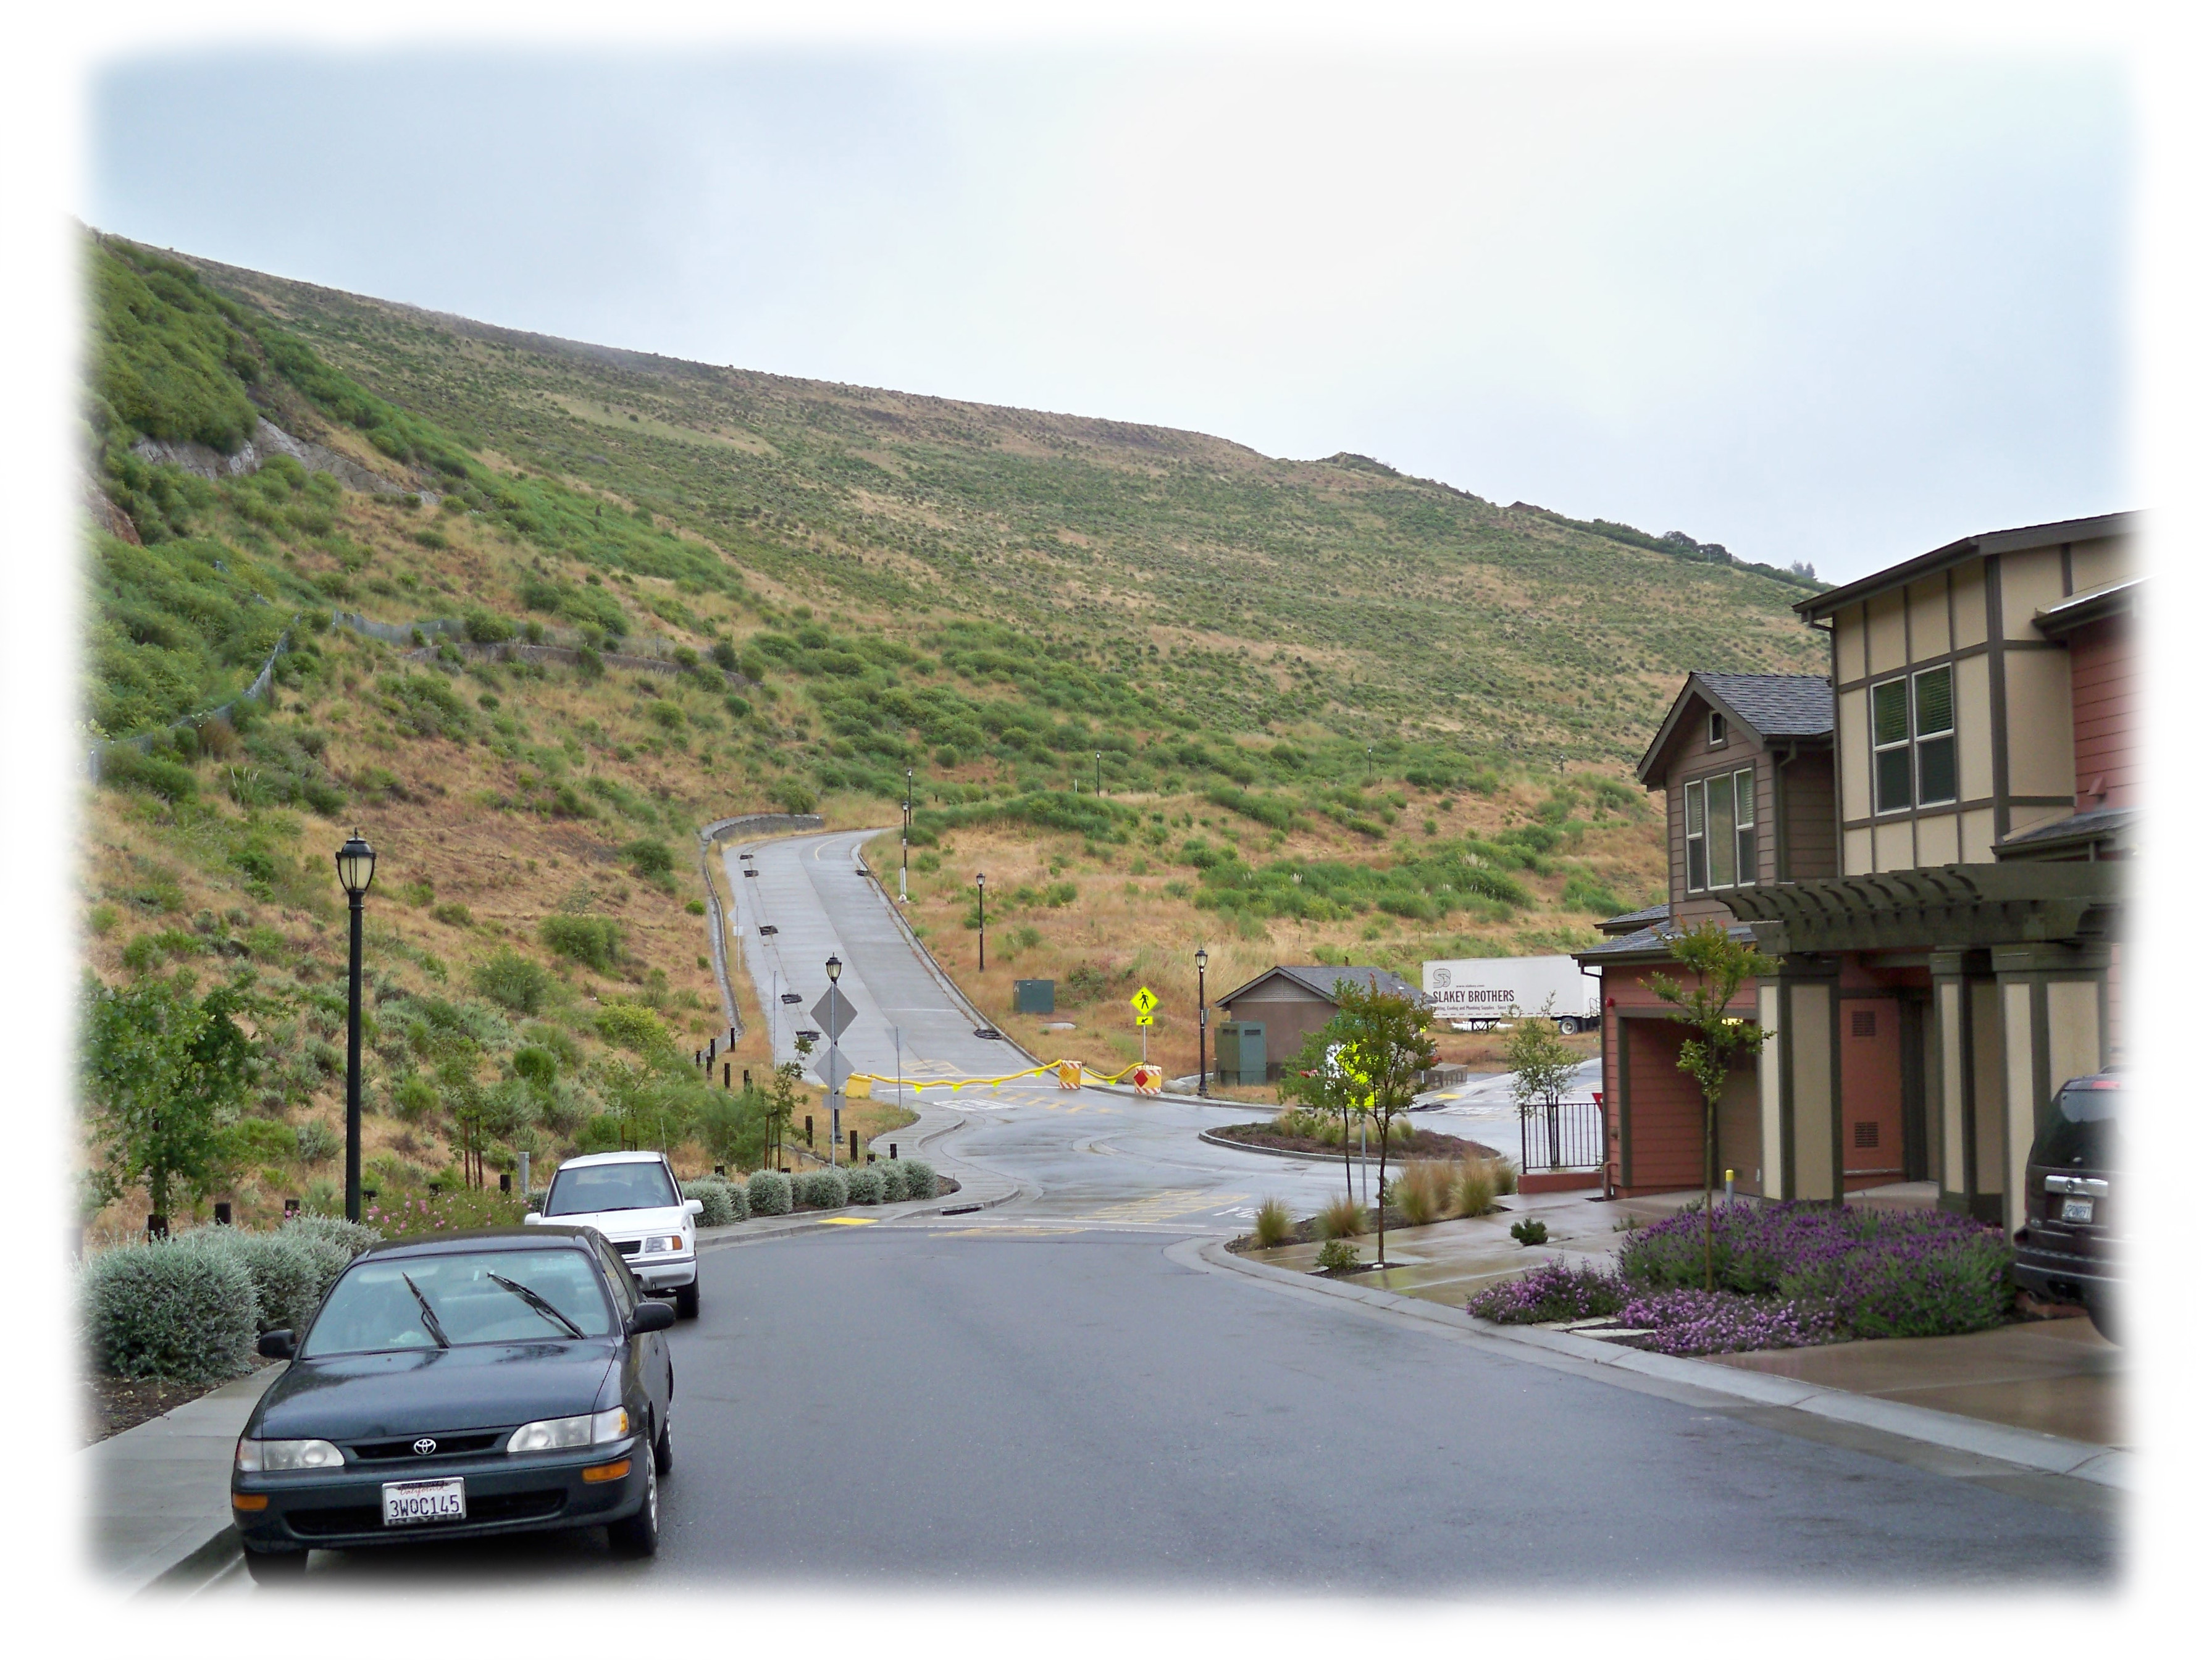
(824, 1189)
(769, 1192)
(894, 1174)
(740, 1206)
(864, 1185)
(714, 1196)
(331, 1241)
(920, 1179)
(288, 1276)
(169, 1310)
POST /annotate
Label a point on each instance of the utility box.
(1241, 1052)
(1033, 996)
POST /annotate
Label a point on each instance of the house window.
(1916, 743)
(1719, 833)
(1717, 729)
(1935, 736)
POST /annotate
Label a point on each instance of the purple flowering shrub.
(1695, 1321)
(1877, 1273)
(1555, 1291)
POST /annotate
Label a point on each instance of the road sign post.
(834, 1012)
(1144, 1002)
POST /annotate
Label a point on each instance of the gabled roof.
(1652, 944)
(1630, 920)
(1322, 979)
(1772, 707)
(1967, 547)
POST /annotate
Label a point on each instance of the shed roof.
(1323, 979)
(1966, 547)
(1771, 707)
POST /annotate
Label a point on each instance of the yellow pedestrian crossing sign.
(1144, 1019)
(1144, 1002)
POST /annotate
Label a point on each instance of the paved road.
(1059, 1391)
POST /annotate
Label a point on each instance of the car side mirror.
(530, 1216)
(279, 1345)
(649, 1316)
(695, 1206)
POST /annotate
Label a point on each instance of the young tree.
(1716, 1037)
(1543, 1066)
(164, 1073)
(1314, 1080)
(1385, 1050)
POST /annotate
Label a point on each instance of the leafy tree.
(165, 1073)
(1716, 1037)
(1543, 1066)
(1385, 1048)
(1314, 1080)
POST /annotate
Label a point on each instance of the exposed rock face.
(269, 439)
(109, 517)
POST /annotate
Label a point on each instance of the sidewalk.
(158, 1495)
(2054, 1378)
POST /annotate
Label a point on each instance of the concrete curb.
(1214, 1141)
(2053, 1455)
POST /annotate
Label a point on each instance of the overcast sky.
(1824, 307)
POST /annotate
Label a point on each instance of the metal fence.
(1569, 1136)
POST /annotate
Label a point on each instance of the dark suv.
(2069, 1250)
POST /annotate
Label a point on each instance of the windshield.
(580, 1190)
(2080, 1133)
(437, 1302)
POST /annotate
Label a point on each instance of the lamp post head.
(833, 968)
(979, 879)
(356, 866)
(1201, 959)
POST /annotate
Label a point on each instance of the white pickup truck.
(1474, 993)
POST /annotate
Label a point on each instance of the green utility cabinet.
(1033, 996)
(1241, 1055)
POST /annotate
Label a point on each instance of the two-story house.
(1953, 962)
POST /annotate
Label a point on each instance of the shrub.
(1687, 1320)
(1342, 1218)
(1476, 1190)
(649, 858)
(920, 1179)
(287, 1280)
(450, 1210)
(124, 769)
(634, 1027)
(594, 941)
(715, 1197)
(1555, 1291)
(1271, 1223)
(1530, 1231)
(823, 1189)
(1335, 1255)
(314, 1142)
(485, 628)
(893, 1171)
(167, 1310)
(768, 1193)
(513, 981)
(864, 1185)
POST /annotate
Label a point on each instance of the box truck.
(1474, 993)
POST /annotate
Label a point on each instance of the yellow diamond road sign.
(1144, 1002)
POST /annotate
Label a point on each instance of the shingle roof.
(1322, 979)
(1629, 921)
(1777, 705)
(1653, 942)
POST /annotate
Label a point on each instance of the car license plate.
(406, 1503)
(2076, 1210)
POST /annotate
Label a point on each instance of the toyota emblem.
(426, 1446)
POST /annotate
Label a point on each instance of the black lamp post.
(906, 832)
(1098, 772)
(979, 922)
(357, 870)
(1201, 1020)
(833, 968)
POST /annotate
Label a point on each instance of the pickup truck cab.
(2069, 1249)
(632, 1199)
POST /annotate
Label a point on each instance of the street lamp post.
(1098, 772)
(1201, 1020)
(906, 832)
(979, 922)
(357, 862)
(833, 968)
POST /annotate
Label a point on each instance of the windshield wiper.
(539, 1303)
(429, 1314)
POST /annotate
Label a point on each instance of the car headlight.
(263, 1456)
(591, 1429)
(659, 1245)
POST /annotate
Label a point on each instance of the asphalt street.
(1057, 1391)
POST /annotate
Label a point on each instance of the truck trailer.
(1474, 993)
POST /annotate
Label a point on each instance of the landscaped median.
(1784, 1276)
(776, 1193)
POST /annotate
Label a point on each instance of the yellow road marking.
(850, 1221)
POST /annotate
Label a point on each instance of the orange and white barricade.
(1148, 1079)
(1070, 1073)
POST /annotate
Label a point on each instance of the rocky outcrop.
(109, 517)
(269, 440)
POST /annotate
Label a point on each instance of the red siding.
(2104, 716)
(1665, 1115)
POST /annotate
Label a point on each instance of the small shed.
(1290, 1000)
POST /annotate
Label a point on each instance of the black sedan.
(506, 1381)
